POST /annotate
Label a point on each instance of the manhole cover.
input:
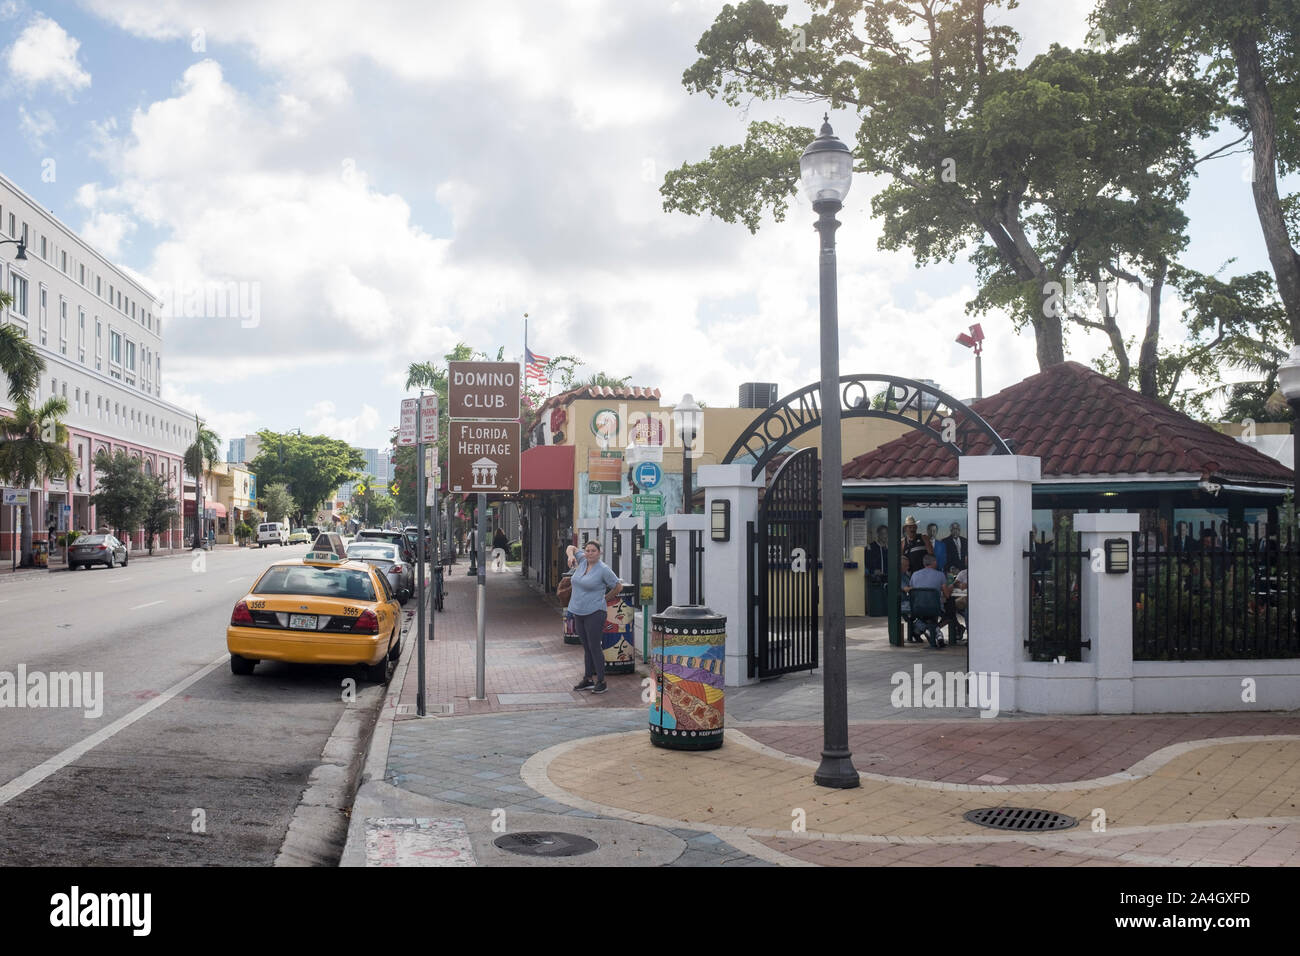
(1021, 819)
(545, 843)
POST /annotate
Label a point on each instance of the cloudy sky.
(384, 180)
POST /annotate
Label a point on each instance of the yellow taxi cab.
(321, 609)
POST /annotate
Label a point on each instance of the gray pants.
(591, 628)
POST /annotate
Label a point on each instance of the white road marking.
(31, 778)
(138, 606)
(233, 580)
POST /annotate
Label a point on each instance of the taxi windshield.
(321, 582)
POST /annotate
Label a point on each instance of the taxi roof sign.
(328, 549)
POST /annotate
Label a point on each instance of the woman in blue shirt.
(594, 585)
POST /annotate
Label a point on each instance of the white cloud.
(227, 424)
(45, 55)
(35, 125)
(354, 430)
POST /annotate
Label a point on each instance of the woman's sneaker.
(599, 688)
(587, 684)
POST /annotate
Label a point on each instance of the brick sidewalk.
(527, 664)
(1218, 789)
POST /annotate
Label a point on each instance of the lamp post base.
(837, 771)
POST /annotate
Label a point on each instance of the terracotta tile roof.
(1080, 422)
(623, 392)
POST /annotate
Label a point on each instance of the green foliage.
(1073, 164)
(276, 501)
(244, 532)
(20, 363)
(516, 551)
(119, 496)
(1216, 607)
(157, 508)
(312, 466)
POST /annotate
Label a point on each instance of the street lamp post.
(1288, 380)
(826, 168)
(687, 417)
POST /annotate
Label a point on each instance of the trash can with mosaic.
(688, 650)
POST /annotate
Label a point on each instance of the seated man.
(931, 577)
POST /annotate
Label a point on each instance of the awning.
(546, 468)
(211, 509)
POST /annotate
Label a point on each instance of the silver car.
(387, 558)
(96, 549)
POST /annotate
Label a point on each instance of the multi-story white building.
(100, 334)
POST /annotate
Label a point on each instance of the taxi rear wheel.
(241, 665)
(382, 672)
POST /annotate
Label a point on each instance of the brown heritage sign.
(483, 457)
(483, 390)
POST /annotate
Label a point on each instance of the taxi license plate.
(303, 622)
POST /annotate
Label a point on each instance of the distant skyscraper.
(236, 453)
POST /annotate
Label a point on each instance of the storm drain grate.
(545, 843)
(1020, 819)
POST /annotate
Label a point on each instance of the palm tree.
(198, 458)
(20, 363)
(33, 447)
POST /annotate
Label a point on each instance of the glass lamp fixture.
(826, 167)
(1288, 375)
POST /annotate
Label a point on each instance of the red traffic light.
(966, 340)
(977, 333)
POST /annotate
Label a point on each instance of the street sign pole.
(480, 650)
(419, 562)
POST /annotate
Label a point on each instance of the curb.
(319, 831)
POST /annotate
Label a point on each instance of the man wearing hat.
(914, 547)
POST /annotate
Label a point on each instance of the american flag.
(535, 367)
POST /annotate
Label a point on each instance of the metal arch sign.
(920, 406)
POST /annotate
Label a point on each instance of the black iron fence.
(1216, 596)
(1055, 615)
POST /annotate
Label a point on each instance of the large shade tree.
(1250, 51)
(312, 466)
(34, 447)
(1072, 165)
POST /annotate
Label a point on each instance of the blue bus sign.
(647, 475)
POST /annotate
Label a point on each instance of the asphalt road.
(210, 775)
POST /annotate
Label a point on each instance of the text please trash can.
(618, 640)
(688, 650)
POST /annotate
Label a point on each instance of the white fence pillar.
(680, 527)
(623, 527)
(998, 605)
(726, 588)
(1106, 605)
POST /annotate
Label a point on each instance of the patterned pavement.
(1147, 790)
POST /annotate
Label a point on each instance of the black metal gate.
(665, 557)
(785, 546)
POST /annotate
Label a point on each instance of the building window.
(82, 271)
(43, 315)
(13, 229)
(114, 347)
(63, 262)
(44, 254)
(63, 325)
(24, 234)
(130, 355)
(18, 289)
(97, 287)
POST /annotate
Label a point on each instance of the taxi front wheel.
(241, 665)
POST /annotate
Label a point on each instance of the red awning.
(213, 509)
(217, 508)
(546, 468)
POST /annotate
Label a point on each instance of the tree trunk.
(25, 557)
(1149, 355)
(1263, 133)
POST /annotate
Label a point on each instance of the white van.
(272, 532)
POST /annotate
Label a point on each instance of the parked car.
(395, 537)
(313, 532)
(386, 558)
(96, 549)
(320, 609)
(300, 536)
(272, 532)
